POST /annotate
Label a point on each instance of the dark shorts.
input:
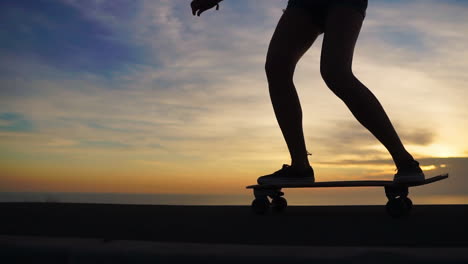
(319, 8)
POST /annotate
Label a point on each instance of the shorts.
(319, 8)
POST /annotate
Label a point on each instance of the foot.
(409, 172)
(288, 174)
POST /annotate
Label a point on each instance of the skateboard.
(398, 204)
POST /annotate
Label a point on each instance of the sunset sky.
(139, 96)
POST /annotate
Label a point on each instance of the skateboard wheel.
(260, 205)
(408, 202)
(399, 207)
(278, 204)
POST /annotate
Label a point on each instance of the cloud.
(419, 137)
(57, 34)
(348, 138)
(409, 34)
(104, 144)
(15, 122)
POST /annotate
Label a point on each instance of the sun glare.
(441, 151)
(428, 168)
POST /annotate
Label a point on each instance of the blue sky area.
(64, 37)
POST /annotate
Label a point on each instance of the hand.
(200, 6)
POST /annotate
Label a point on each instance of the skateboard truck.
(398, 204)
(261, 204)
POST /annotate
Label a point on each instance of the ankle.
(300, 165)
(302, 162)
(406, 163)
(402, 159)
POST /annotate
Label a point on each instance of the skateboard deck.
(398, 205)
(306, 184)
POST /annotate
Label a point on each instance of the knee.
(337, 78)
(333, 75)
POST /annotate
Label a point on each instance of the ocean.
(348, 197)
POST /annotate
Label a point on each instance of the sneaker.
(288, 174)
(409, 173)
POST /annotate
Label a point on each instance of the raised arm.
(200, 6)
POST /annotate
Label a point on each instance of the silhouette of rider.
(301, 23)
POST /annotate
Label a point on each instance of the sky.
(139, 96)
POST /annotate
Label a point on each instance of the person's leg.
(293, 36)
(341, 32)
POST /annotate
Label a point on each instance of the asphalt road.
(215, 234)
(427, 226)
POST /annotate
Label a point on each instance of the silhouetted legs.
(293, 36)
(341, 32)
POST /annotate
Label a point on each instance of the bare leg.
(293, 36)
(341, 32)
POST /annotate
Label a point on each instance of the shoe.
(288, 174)
(409, 173)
